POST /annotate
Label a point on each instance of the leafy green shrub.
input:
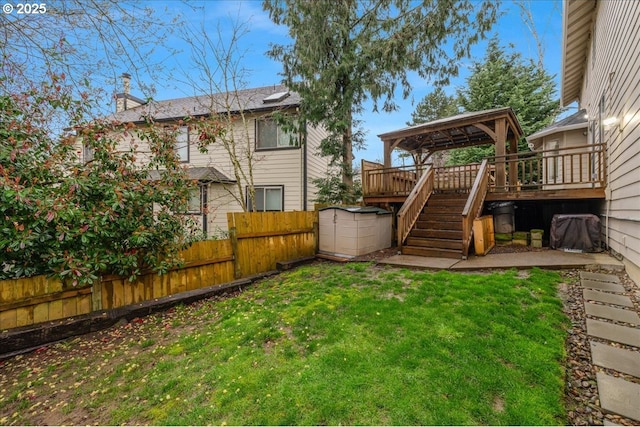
(75, 220)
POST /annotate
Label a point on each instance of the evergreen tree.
(435, 105)
(505, 79)
(345, 52)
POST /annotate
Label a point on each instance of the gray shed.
(353, 231)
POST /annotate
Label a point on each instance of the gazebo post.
(418, 160)
(387, 154)
(386, 178)
(501, 140)
(513, 168)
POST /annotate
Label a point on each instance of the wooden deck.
(576, 173)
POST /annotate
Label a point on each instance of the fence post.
(316, 234)
(237, 273)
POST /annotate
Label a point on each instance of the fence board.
(69, 307)
(41, 312)
(55, 310)
(214, 256)
(8, 319)
(24, 316)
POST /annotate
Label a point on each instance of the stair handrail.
(473, 207)
(414, 203)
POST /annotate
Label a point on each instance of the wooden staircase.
(438, 230)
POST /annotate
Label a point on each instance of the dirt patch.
(378, 255)
(498, 249)
(49, 398)
(514, 249)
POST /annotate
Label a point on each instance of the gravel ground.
(583, 403)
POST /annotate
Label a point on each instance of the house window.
(181, 147)
(270, 135)
(268, 199)
(194, 204)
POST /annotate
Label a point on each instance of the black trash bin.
(503, 217)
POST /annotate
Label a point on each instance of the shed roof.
(249, 100)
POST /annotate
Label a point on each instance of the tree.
(80, 220)
(435, 105)
(91, 42)
(217, 76)
(505, 79)
(346, 52)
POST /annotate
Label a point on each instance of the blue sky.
(262, 71)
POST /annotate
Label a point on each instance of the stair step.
(437, 233)
(450, 194)
(434, 243)
(450, 210)
(439, 225)
(447, 202)
(429, 252)
(440, 217)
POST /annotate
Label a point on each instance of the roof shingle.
(248, 100)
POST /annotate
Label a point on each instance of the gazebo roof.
(462, 130)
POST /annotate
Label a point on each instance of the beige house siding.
(612, 71)
(556, 169)
(283, 167)
(219, 202)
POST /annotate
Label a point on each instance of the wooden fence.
(257, 242)
(260, 240)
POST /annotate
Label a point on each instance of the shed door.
(328, 219)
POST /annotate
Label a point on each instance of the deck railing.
(410, 210)
(473, 207)
(396, 181)
(455, 178)
(565, 168)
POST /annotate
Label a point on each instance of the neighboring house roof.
(265, 98)
(575, 121)
(577, 23)
(202, 174)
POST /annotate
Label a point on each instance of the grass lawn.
(323, 344)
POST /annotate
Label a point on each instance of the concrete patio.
(552, 259)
